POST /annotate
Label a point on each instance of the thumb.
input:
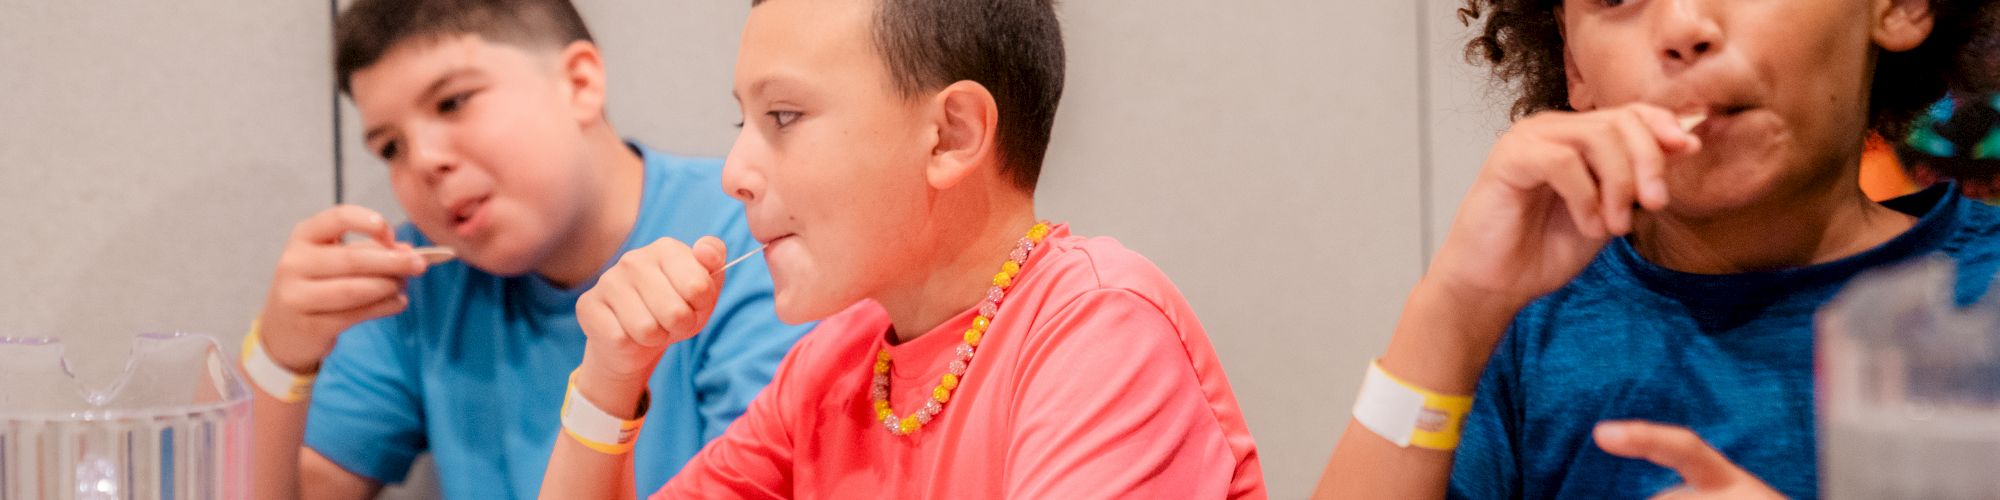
(711, 252)
(1673, 447)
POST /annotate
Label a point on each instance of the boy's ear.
(967, 121)
(582, 70)
(1580, 96)
(1901, 25)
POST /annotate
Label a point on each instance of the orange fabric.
(1882, 175)
(1094, 380)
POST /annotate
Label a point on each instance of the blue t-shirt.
(475, 370)
(1730, 356)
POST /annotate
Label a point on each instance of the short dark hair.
(1012, 47)
(1522, 42)
(370, 28)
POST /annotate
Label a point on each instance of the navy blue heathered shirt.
(1729, 356)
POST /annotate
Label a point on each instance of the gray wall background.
(1290, 163)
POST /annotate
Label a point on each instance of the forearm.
(279, 434)
(1444, 338)
(1437, 346)
(576, 471)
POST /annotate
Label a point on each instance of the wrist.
(1445, 336)
(280, 340)
(268, 376)
(597, 428)
(618, 395)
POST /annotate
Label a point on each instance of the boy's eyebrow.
(429, 92)
(762, 85)
(438, 84)
(374, 131)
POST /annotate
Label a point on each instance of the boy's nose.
(740, 178)
(1687, 31)
(430, 159)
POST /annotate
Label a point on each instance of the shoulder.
(697, 165)
(682, 173)
(1975, 247)
(1978, 231)
(1092, 294)
(1100, 269)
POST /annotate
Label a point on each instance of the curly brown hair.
(1524, 45)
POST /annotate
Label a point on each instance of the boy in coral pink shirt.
(967, 350)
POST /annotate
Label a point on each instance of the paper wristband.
(276, 381)
(1409, 415)
(597, 430)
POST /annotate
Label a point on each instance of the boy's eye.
(453, 103)
(1612, 3)
(388, 151)
(784, 118)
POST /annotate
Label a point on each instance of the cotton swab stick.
(1690, 121)
(739, 260)
(437, 255)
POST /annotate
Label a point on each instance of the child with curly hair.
(1650, 241)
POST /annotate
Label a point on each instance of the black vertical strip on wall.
(1424, 156)
(339, 180)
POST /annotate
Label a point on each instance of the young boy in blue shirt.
(1652, 242)
(490, 116)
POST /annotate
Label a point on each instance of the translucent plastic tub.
(1909, 388)
(175, 425)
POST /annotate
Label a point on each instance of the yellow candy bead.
(980, 323)
(881, 367)
(1003, 279)
(1011, 267)
(949, 382)
(881, 413)
(972, 337)
(882, 356)
(909, 424)
(941, 394)
(1038, 232)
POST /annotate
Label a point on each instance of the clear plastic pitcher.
(1909, 388)
(175, 425)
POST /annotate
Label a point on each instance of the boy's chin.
(798, 308)
(1723, 185)
(496, 263)
(1717, 196)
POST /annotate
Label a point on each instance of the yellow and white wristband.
(594, 428)
(277, 381)
(1409, 415)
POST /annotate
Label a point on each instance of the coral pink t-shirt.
(1094, 380)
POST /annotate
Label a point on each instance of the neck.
(1810, 226)
(617, 182)
(955, 275)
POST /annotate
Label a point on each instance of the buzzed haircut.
(370, 28)
(1014, 48)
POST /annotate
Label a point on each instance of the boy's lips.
(767, 240)
(1718, 117)
(467, 216)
